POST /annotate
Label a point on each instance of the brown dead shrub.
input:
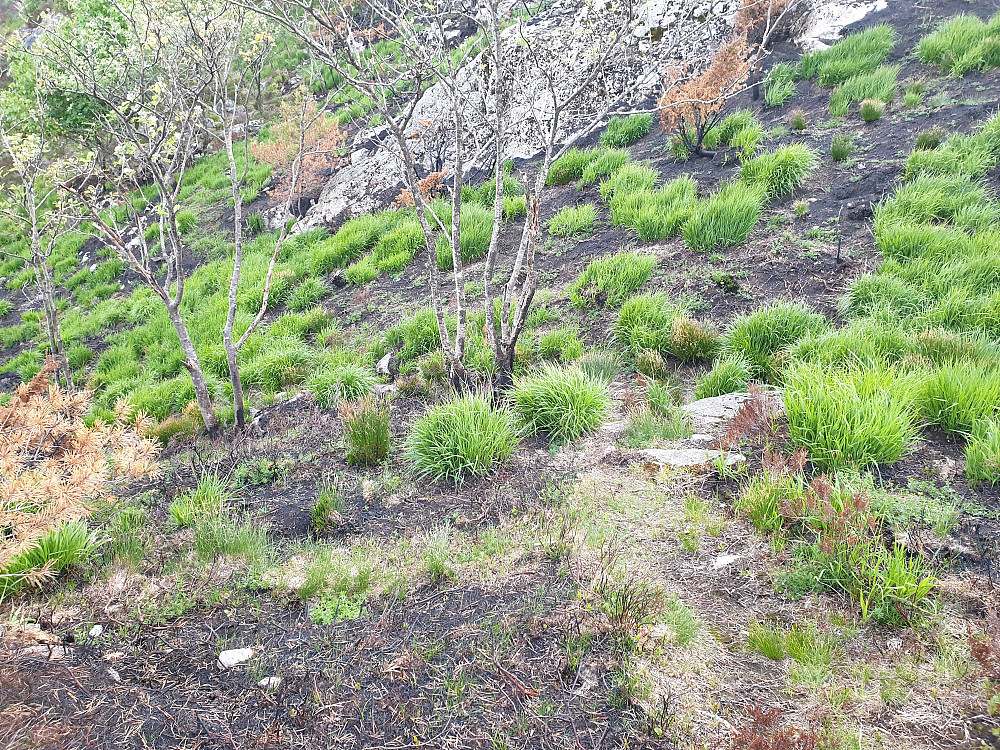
(691, 105)
(52, 463)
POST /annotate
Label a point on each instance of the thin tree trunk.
(43, 279)
(232, 351)
(193, 365)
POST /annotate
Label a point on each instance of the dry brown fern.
(52, 463)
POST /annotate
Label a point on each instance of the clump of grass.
(872, 110)
(780, 171)
(366, 431)
(347, 381)
(562, 343)
(690, 340)
(328, 506)
(606, 161)
(730, 374)
(209, 498)
(630, 178)
(959, 395)
(929, 198)
(415, 335)
(464, 436)
(879, 85)
(306, 294)
(961, 44)
(913, 94)
(623, 131)
(600, 366)
(779, 86)
(850, 416)
(766, 640)
(64, 546)
(982, 452)
(612, 279)
(972, 154)
(646, 323)
(854, 55)
(758, 336)
(78, 356)
(726, 218)
(572, 221)
(222, 536)
(569, 166)
(437, 555)
(727, 131)
(475, 228)
(929, 139)
(798, 120)
(656, 214)
(561, 403)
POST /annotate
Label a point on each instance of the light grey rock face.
(234, 657)
(824, 23)
(689, 458)
(359, 187)
(46, 651)
(568, 33)
(712, 415)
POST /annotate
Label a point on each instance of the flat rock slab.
(712, 415)
(682, 458)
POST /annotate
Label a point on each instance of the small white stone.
(270, 683)
(113, 674)
(723, 560)
(97, 631)
(234, 656)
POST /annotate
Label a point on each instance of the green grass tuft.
(726, 218)
(610, 280)
(465, 436)
(982, 452)
(366, 431)
(730, 374)
(758, 336)
(622, 131)
(854, 55)
(561, 403)
(572, 221)
(780, 171)
(879, 85)
(850, 416)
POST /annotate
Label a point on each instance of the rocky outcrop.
(568, 31)
(664, 33)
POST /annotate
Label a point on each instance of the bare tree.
(515, 60)
(147, 94)
(32, 203)
(502, 60)
(337, 33)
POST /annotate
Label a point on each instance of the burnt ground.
(512, 650)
